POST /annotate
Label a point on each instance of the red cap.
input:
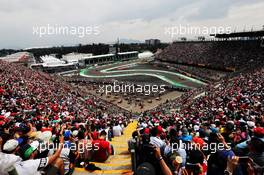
(147, 131)
(2, 117)
(2, 123)
(159, 130)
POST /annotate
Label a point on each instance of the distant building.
(109, 58)
(152, 41)
(50, 60)
(52, 64)
(75, 57)
(24, 58)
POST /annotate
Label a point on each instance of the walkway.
(118, 163)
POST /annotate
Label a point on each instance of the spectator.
(117, 130)
(12, 163)
(102, 148)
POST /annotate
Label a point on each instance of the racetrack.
(135, 69)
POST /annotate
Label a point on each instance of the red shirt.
(102, 150)
(95, 135)
(46, 129)
(2, 91)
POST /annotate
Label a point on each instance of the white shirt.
(106, 130)
(65, 152)
(117, 130)
(7, 161)
(29, 167)
(157, 142)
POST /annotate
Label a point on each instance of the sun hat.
(10, 145)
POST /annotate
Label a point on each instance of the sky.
(33, 23)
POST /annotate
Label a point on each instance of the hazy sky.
(111, 19)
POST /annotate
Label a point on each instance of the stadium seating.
(36, 106)
(40, 108)
(230, 111)
(234, 55)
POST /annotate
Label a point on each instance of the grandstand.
(52, 64)
(221, 103)
(109, 58)
(223, 55)
(72, 61)
(24, 58)
(75, 57)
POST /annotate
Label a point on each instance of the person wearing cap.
(10, 162)
(23, 129)
(11, 146)
(69, 153)
(68, 138)
(69, 156)
(29, 151)
(176, 147)
(257, 132)
(185, 135)
(156, 140)
(2, 118)
(176, 163)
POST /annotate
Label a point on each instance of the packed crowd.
(204, 74)
(218, 132)
(219, 54)
(48, 126)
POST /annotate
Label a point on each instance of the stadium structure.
(24, 58)
(70, 62)
(214, 94)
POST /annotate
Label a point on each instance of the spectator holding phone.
(11, 163)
